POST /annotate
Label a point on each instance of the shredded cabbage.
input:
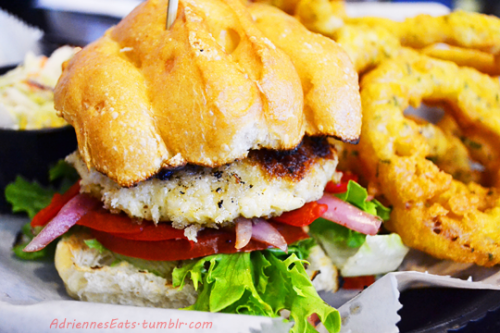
(26, 92)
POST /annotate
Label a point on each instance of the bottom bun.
(100, 276)
(90, 275)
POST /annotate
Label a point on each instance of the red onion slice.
(266, 233)
(243, 232)
(349, 216)
(67, 217)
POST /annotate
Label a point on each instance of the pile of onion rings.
(468, 39)
(433, 212)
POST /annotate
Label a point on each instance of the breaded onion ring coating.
(432, 212)
(482, 61)
(322, 16)
(367, 46)
(464, 29)
(448, 149)
(471, 39)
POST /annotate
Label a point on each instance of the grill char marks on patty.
(265, 184)
(293, 164)
(290, 164)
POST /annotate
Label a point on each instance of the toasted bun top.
(206, 91)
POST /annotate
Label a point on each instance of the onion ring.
(322, 16)
(448, 149)
(367, 46)
(472, 39)
(482, 61)
(465, 29)
(432, 212)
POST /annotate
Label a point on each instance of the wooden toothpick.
(171, 12)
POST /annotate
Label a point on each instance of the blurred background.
(78, 22)
(37, 12)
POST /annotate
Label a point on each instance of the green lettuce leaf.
(258, 283)
(95, 244)
(336, 233)
(28, 197)
(326, 231)
(356, 195)
(31, 197)
(301, 249)
(65, 174)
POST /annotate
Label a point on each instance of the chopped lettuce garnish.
(24, 238)
(258, 283)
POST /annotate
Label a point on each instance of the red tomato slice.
(58, 201)
(152, 232)
(103, 220)
(210, 241)
(303, 216)
(358, 282)
(123, 226)
(341, 187)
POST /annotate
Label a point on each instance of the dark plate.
(31, 153)
(433, 310)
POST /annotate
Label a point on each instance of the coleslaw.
(27, 92)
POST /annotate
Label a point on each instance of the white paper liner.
(377, 306)
(16, 39)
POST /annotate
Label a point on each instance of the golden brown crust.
(331, 93)
(205, 92)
